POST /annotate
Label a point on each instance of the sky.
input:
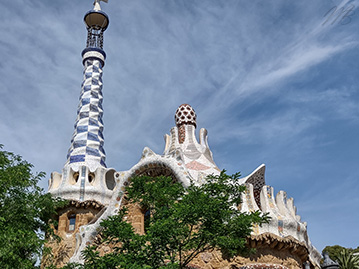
(273, 82)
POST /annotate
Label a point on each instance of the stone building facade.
(96, 192)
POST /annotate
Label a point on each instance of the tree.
(333, 251)
(183, 223)
(24, 213)
(344, 256)
(347, 260)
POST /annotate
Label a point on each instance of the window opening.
(91, 177)
(76, 176)
(147, 217)
(72, 223)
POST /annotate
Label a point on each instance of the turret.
(85, 180)
(85, 176)
(197, 157)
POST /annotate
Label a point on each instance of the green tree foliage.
(347, 260)
(344, 256)
(24, 213)
(183, 223)
(333, 251)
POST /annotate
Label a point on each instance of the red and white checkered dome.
(185, 115)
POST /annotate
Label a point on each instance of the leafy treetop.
(24, 212)
(183, 223)
(344, 256)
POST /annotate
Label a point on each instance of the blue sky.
(270, 81)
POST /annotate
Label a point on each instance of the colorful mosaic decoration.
(185, 115)
(87, 140)
(196, 166)
(280, 226)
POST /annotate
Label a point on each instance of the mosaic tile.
(88, 138)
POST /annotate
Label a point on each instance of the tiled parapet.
(196, 156)
(257, 179)
(83, 184)
(284, 222)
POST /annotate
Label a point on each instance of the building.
(96, 192)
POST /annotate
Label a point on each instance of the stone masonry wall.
(61, 251)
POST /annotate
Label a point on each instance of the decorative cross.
(97, 4)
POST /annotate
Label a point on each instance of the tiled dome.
(185, 115)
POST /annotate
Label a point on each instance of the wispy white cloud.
(269, 75)
(263, 76)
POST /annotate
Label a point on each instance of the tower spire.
(87, 141)
(85, 181)
(85, 176)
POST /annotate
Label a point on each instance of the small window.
(110, 179)
(147, 217)
(72, 223)
(91, 177)
(76, 176)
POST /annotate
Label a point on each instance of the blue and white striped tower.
(85, 176)
(87, 140)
